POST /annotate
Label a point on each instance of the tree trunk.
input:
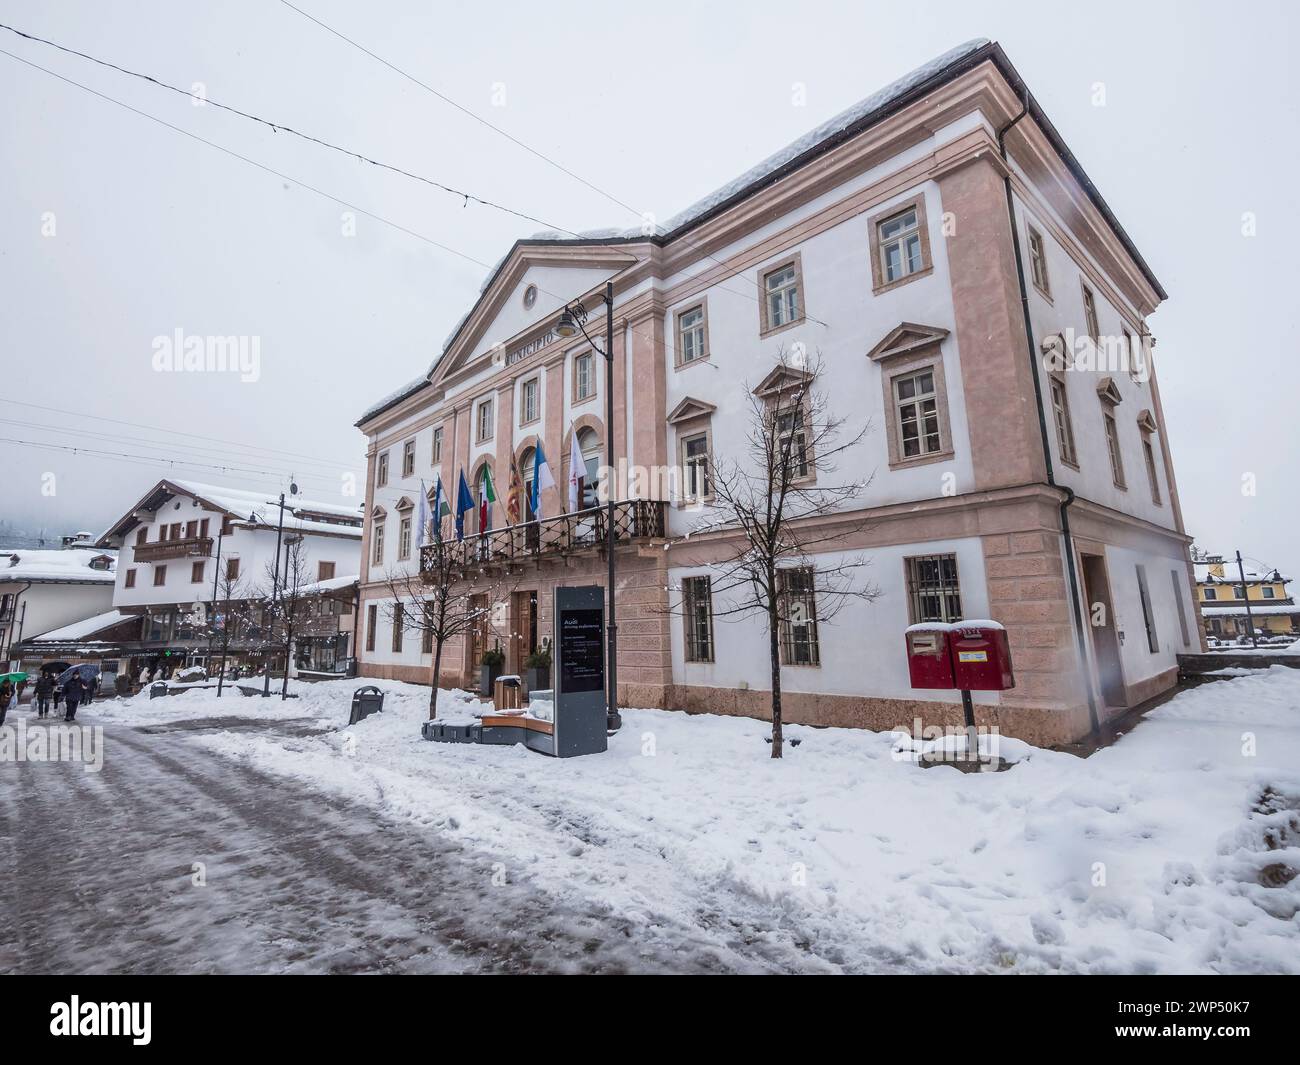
(774, 652)
(437, 675)
(288, 652)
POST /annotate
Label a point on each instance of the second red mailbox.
(981, 656)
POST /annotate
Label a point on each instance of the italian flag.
(489, 497)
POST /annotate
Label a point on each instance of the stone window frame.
(196, 572)
(786, 640)
(1067, 448)
(690, 419)
(1109, 397)
(377, 523)
(1038, 260)
(482, 435)
(129, 580)
(679, 362)
(690, 645)
(399, 626)
(1146, 430)
(1091, 317)
(381, 470)
(372, 624)
(942, 590)
(536, 381)
(408, 457)
(916, 202)
(765, 328)
(577, 397)
(159, 576)
(405, 529)
(769, 390)
(903, 361)
(436, 446)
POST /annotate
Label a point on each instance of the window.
(1238, 592)
(372, 620)
(203, 528)
(176, 530)
(324, 571)
(1090, 314)
(526, 463)
(916, 407)
(1210, 593)
(196, 572)
(1112, 446)
(159, 576)
(377, 532)
(697, 612)
(792, 442)
(1268, 593)
(695, 465)
(1038, 262)
(404, 537)
(483, 421)
(227, 526)
(530, 297)
(1150, 454)
(130, 579)
(691, 336)
(232, 569)
(589, 445)
(933, 590)
(528, 405)
(1153, 643)
(399, 623)
(584, 377)
(437, 445)
(1133, 356)
(426, 641)
(1182, 610)
(782, 305)
(381, 471)
(408, 458)
(1061, 418)
(797, 607)
(191, 529)
(900, 245)
(142, 535)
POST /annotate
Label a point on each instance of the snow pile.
(71, 564)
(1173, 851)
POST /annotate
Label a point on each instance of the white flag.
(577, 469)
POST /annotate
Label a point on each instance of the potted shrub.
(493, 662)
(538, 670)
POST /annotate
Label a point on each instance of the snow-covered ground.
(1173, 851)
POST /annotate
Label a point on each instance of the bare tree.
(778, 511)
(439, 603)
(287, 596)
(228, 614)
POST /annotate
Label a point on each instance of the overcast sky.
(154, 231)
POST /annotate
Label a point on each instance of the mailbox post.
(965, 655)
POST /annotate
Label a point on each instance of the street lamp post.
(571, 322)
(275, 582)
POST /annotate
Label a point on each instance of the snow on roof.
(264, 507)
(80, 630)
(55, 565)
(334, 584)
(1230, 574)
(1256, 610)
(408, 389)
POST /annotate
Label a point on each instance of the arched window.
(526, 461)
(589, 445)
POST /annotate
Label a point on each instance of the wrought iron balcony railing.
(634, 519)
(191, 547)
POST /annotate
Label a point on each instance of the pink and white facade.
(1039, 490)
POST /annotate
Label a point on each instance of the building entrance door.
(1101, 625)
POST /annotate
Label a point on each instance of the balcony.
(584, 530)
(161, 550)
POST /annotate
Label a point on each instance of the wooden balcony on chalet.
(161, 550)
(564, 534)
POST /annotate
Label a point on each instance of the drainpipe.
(14, 620)
(1071, 568)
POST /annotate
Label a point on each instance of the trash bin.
(157, 688)
(508, 693)
(366, 700)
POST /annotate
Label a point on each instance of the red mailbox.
(981, 656)
(929, 660)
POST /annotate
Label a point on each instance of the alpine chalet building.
(969, 295)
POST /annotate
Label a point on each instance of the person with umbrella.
(44, 689)
(73, 689)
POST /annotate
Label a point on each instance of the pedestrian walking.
(6, 696)
(73, 690)
(92, 686)
(44, 689)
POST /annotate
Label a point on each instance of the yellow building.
(1223, 597)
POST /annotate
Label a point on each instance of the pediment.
(690, 408)
(1146, 422)
(502, 320)
(378, 512)
(404, 504)
(1109, 391)
(906, 338)
(783, 380)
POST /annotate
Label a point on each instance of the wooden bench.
(524, 721)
